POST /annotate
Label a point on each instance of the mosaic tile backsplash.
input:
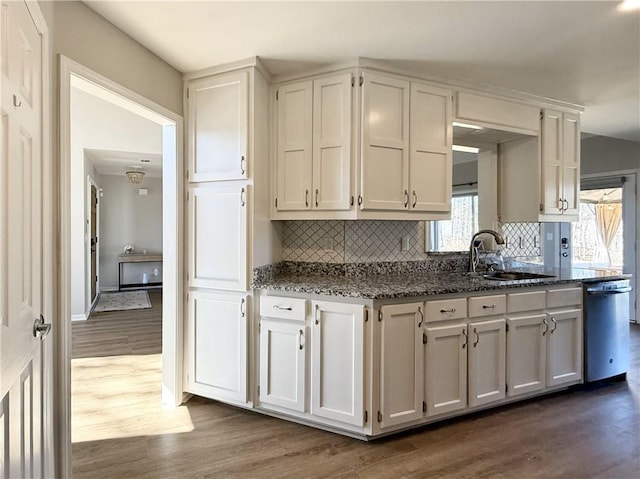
(365, 241)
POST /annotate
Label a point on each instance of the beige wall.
(602, 154)
(82, 35)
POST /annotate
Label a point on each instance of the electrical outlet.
(405, 243)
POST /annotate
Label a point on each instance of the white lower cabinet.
(446, 368)
(401, 360)
(217, 336)
(337, 361)
(526, 353)
(487, 361)
(564, 347)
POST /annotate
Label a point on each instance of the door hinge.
(96, 278)
(380, 315)
(259, 329)
(541, 115)
(541, 207)
(424, 338)
(352, 201)
(361, 82)
(379, 416)
(353, 81)
(506, 388)
(424, 406)
(507, 327)
(187, 93)
(366, 416)
(276, 202)
(276, 95)
(366, 315)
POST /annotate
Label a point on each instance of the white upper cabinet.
(560, 163)
(313, 157)
(217, 127)
(385, 142)
(217, 236)
(294, 154)
(430, 167)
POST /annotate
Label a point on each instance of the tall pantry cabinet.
(228, 231)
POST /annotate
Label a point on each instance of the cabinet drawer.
(530, 301)
(444, 309)
(285, 308)
(487, 305)
(557, 298)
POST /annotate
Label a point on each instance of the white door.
(282, 364)
(401, 389)
(217, 240)
(294, 154)
(526, 354)
(571, 163)
(332, 143)
(551, 156)
(21, 244)
(385, 143)
(564, 347)
(337, 362)
(487, 361)
(217, 127)
(217, 345)
(430, 163)
(446, 368)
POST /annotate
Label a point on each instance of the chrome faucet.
(473, 251)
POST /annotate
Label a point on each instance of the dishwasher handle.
(598, 292)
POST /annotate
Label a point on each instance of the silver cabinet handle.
(242, 162)
(282, 308)
(317, 191)
(415, 198)
(242, 200)
(40, 328)
(546, 327)
(452, 310)
(488, 306)
(406, 198)
(555, 324)
(475, 331)
(466, 338)
(566, 204)
(306, 198)
(243, 310)
(316, 314)
(421, 317)
(300, 337)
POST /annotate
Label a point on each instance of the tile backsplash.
(368, 241)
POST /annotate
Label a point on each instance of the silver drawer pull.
(487, 306)
(282, 308)
(452, 310)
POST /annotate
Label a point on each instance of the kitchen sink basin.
(514, 275)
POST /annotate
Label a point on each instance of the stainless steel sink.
(514, 275)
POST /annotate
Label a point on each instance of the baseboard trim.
(108, 288)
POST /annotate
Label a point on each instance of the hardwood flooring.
(582, 433)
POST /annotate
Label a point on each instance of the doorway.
(605, 237)
(172, 194)
(93, 242)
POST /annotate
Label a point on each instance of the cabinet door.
(564, 353)
(294, 153)
(552, 151)
(401, 358)
(487, 361)
(217, 237)
(446, 369)
(282, 364)
(217, 345)
(332, 143)
(430, 152)
(571, 163)
(385, 143)
(217, 144)
(337, 362)
(526, 354)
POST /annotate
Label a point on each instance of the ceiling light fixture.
(629, 5)
(467, 125)
(135, 176)
(465, 149)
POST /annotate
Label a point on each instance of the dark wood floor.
(583, 433)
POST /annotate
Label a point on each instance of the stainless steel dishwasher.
(606, 329)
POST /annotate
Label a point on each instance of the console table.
(137, 258)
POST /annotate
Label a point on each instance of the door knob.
(40, 328)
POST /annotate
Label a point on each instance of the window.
(455, 234)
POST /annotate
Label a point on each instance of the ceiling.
(584, 52)
(108, 162)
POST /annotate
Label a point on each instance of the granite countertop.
(414, 284)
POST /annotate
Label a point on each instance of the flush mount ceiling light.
(135, 176)
(467, 125)
(465, 149)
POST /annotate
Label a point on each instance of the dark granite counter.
(415, 284)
